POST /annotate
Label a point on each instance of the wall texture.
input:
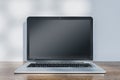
(13, 14)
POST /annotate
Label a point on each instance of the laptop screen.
(59, 38)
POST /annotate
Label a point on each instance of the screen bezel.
(61, 18)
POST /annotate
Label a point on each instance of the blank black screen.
(59, 38)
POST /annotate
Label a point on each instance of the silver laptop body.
(25, 69)
(93, 69)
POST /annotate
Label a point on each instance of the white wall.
(106, 30)
(106, 24)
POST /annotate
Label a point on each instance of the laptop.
(59, 45)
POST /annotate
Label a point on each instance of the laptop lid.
(59, 38)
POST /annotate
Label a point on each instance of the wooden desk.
(112, 68)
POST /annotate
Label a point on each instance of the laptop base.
(50, 70)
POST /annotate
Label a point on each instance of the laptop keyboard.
(59, 65)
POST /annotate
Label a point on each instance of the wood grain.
(112, 68)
